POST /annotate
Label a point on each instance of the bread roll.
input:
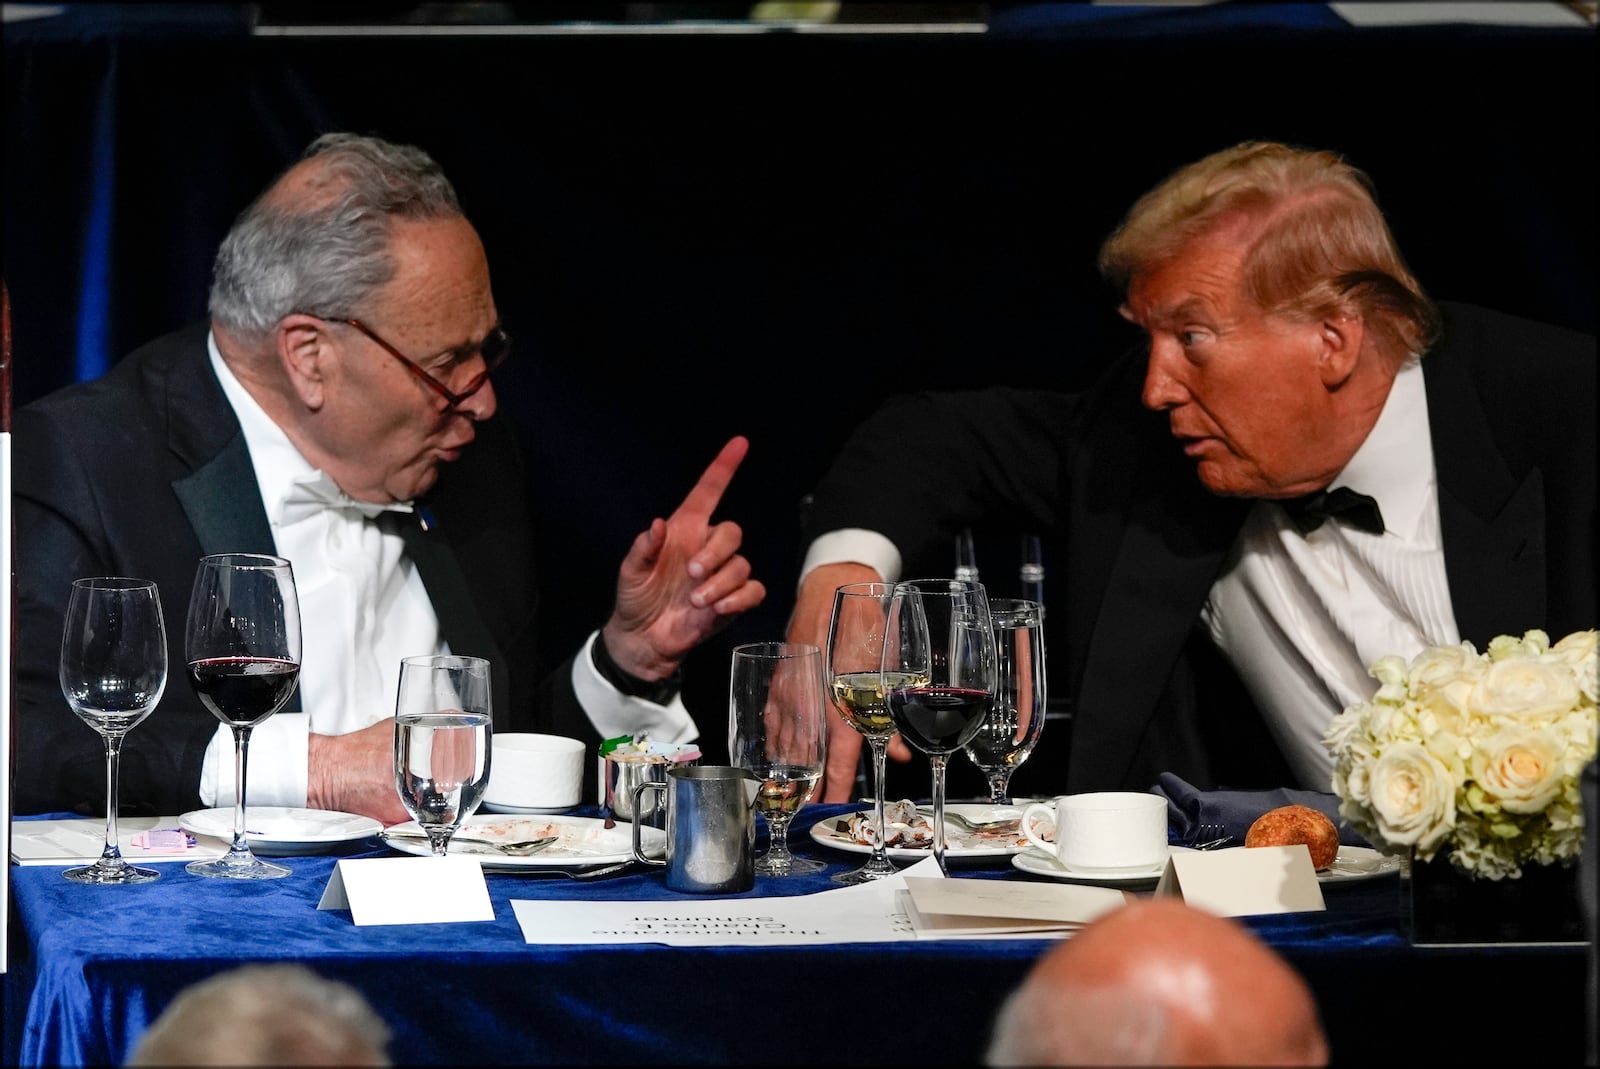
(1290, 824)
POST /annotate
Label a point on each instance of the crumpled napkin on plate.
(1188, 807)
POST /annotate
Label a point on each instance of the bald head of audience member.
(266, 1015)
(1157, 982)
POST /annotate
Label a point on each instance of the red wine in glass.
(243, 691)
(939, 719)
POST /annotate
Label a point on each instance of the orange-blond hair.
(1319, 245)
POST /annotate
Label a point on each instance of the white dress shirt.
(1302, 617)
(363, 608)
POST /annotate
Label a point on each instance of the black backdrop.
(693, 236)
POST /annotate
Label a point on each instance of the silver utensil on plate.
(521, 848)
(975, 825)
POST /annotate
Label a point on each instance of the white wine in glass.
(777, 729)
(113, 671)
(856, 680)
(442, 719)
(243, 650)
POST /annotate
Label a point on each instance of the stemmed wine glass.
(777, 728)
(442, 727)
(113, 670)
(1011, 730)
(243, 649)
(854, 672)
(939, 673)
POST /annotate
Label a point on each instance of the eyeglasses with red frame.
(494, 349)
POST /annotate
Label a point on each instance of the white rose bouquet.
(1477, 753)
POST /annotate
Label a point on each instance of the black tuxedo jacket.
(1135, 541)
(145, 470)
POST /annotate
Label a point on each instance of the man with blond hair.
(1307, 465)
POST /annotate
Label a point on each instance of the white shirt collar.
(1395, 463)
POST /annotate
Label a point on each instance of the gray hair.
(323, 250)
(282, 1014)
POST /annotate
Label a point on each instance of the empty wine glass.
(777, 728)
(113, 671)
(938, 673)
(1011, 730)
(243, 649)
(441, 742)
(854, 661)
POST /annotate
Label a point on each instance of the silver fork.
(974, 825)
(1209, 837)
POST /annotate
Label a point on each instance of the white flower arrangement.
(1478, 753)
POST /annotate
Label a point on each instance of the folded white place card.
(1244, 881)
(431, 890)
(947, 907)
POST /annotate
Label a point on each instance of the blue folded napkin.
(1188, 807)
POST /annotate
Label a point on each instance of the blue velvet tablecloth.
(93, 966)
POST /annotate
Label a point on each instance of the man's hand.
(682, 580)
(809, 623)
(354, 773)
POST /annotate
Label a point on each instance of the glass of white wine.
(113, 671)
(777, 729)
(855, 681)
(441, 742)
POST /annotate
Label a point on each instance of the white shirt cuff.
(856, 545)
(277, 773)
(614, 713)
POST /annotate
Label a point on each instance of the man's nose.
(481, 405)
(1162, 389)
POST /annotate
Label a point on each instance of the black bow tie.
(1358, 510)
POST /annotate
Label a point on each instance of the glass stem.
(777, 839)
(997, 788)
(241, 748)
(112, 855)
(937, 761)
(880, 773)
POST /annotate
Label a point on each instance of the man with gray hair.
(337, 410)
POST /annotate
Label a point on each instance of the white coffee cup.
(533, 771)
(1102, 831)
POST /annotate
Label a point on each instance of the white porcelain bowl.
(532, 771)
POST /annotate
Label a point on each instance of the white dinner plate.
(1351, 863)
(1036, 862)
(959, 844)
(584, 841)
(277, 831)
(1358, 863)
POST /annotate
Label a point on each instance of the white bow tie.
(311, 494)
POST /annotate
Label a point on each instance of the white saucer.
(1036, 862)
(501, 807)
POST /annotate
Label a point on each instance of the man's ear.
(305, 351)
(1340, 339)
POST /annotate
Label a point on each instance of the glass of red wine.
(242, 645)
(939, 673)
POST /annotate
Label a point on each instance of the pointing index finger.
(703, 499)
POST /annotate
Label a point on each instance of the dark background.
(698, 235)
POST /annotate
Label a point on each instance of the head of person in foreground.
(1158, 982)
